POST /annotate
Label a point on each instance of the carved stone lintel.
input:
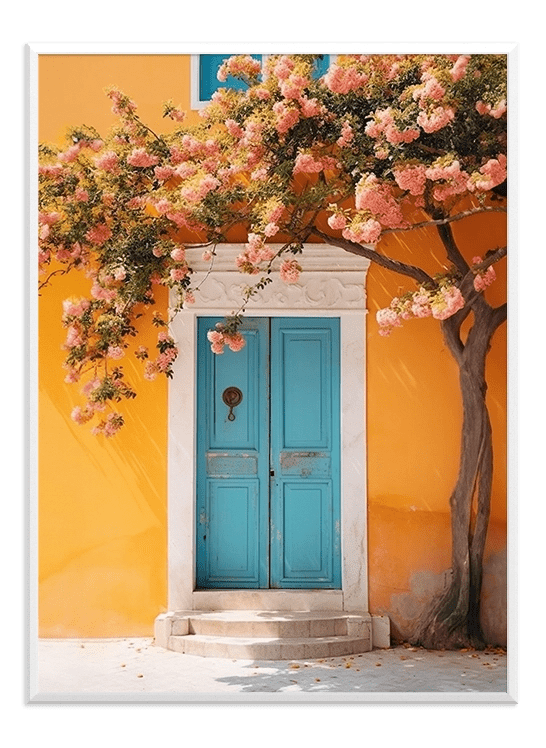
(331, 279)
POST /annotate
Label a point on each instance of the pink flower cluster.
(75, 307)
(219, 339)
(140, 157)
(344, 79)
(378, 198)
(99, 234)
(165, 359)
(436, 119)
(458, 70)
(239, 65)
(441, 304)
(307, 163)
(290, 271)
(363, 231)
(497, 111)
(199, 188)
(347, 135)
(411, 178)
(107, 161)
(110, 426)
(255, 252)
(384, 125)
(82, 415)
(483, 279)
(453, 180)
(337, 221)
(286, 117)
(490, 174)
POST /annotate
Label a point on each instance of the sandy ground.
(136, 670)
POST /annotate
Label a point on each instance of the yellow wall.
(102, 503)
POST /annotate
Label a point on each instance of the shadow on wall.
(407, 606)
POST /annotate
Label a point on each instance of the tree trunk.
(453, 619)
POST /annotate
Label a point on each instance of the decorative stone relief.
(331, 279)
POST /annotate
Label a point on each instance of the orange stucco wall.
(102, 504)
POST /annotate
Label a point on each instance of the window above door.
(204, 72)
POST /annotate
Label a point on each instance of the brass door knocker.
(232, 396)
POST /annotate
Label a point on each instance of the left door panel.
(233, 461)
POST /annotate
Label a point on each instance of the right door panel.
(305, 453)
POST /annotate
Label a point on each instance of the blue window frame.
(205, 76)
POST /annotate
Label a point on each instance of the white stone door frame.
(332, 285)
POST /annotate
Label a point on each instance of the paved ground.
(136, 670)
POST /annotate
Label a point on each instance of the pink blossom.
(435, 120)
(140, 157)
(286, 117)
(483, 279)
(234, 129)
(379, 199)
(411, 178)
(81, 195)
(447, 302)
(179, 273)
(99, 234)
(107, 161)
(309, 164)
(459, 68)
(178, 254)
(207, 255)
(235, 342)
(163, 172)
(260, 175)
(151, 371)
(82, 415)
(271, 229)
(71, 154)
(163, 206)
(73, 338)
(283, 67)
(387, 318)
(290, 271)
(363, 232)
(337, 221)
(344, 79)
(346, 136)
(490, 174)
(74, 307)
(115, 351)
(433, 89)
(49, 218)
(100, 292)
(293, 86)
(310, 107)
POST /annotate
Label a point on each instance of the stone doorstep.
(269, 624)
(279, 626)
(268, 648)
(259, 634)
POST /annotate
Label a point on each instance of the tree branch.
(446, 220)
(452, 250)
(358, 249)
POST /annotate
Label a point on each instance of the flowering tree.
(380, 144)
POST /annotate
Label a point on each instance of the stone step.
(269, 648)
(278, 624)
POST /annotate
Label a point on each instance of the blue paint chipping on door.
(268, 486)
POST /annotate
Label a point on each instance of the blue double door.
(268, 462)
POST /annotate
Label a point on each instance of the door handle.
(232, 396)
